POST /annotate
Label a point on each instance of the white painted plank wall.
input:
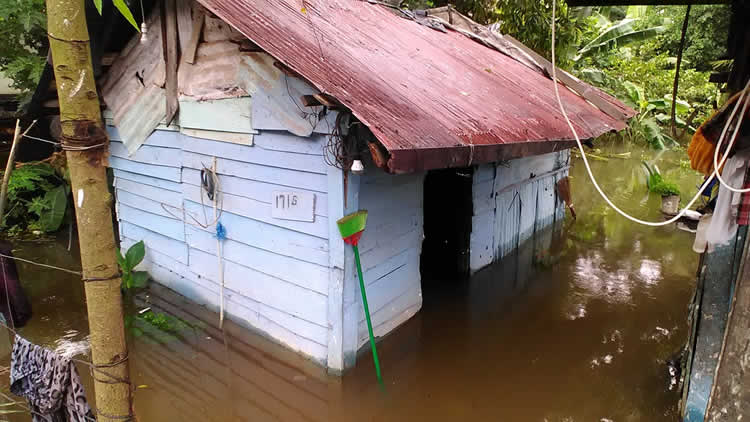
(391, 247)
(275, 271)
(512, 201)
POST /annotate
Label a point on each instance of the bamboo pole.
(17, 135)
(85, 142)
(8, 171)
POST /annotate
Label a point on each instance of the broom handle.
(367, 315)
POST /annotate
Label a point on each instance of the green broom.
(351, 228)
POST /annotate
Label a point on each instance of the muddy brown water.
(577, 326)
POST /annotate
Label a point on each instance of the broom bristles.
(563, 190)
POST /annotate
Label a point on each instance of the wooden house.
(457, 128)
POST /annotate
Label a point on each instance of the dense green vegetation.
(23, 29)
(38, 198)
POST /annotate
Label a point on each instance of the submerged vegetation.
(159, 326)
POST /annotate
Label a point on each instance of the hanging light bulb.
(357, 167)
(144, 33)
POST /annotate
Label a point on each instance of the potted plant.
(670, 196)
(669, 191)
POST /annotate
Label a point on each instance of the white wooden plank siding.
(228, 115)
(256, 210)
(257, 155)
(304, 274)
(513, 205)
(166, 226)
(282, 176)
(276, 271)
(295, 333)
(143, 180)
(391, 247)
(297, 301)
(156, 242)
(268, 237)
(166, 196)
(252, 189)
(160, 172)
(286, 142)
(161, 156)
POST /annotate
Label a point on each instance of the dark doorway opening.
(448, 210)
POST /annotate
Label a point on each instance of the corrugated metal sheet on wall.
(524, 202)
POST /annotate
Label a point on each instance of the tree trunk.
(86, 142)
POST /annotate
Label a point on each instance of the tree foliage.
(23, 29)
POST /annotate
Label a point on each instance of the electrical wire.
(586, 161)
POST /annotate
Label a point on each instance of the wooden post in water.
(86, 144)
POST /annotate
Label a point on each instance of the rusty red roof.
(433, 99)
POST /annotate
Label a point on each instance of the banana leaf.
(619, 34)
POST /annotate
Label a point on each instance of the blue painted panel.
(484, 197)
(281, 176)
(391, 286)
(148, 180)
(393, 314)
(482, 240)
(256, 155)
(229, 114)
(375, 274)
(164, 138)
(256, 210)
(295, 332)
(165, 196)
(484, 173)
(301, 273)
(716, 283)
(253, 189)
(160, 156)
(166, 246)
(161, 172)
(382, 252)
(269, 237)
(521, 169)
(527, 198)
(284, 141)
(162, 225)
(145, 204)
(276, 293)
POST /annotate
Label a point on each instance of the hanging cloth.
(49, 382)
(724, 222)
(14, 305)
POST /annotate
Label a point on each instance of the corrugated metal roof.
(433, 99)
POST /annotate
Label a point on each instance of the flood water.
(577, 326)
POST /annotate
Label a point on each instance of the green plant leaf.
(617, 35)
(653, 133)
(121, 262)
(635, 94)
(98, 4)
(52, 216)
(125, 11)
(135, 255)
(140, 279)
